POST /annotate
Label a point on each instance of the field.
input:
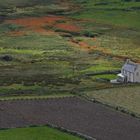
(126, 98)
(74, 114)
(114, 12)
(35, 133)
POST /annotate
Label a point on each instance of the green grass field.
(113, 12)
(35, 133)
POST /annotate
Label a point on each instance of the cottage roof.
(130, 66)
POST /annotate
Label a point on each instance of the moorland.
(64, 48)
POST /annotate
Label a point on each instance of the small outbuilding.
(130, 72)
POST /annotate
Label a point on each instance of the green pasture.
(119, 13)
(35, 133)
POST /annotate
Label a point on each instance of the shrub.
(9, 27)
(6, 58)
(89, 34)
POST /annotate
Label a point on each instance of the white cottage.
(130, 72)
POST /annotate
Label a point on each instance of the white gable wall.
(132, 76)
(137, 74)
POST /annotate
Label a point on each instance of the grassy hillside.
(49, 48)
(52, 54)
(38, 133)
(24, 2)
(113, 12)
(21, 8)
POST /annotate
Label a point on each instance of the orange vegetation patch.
(36, 21)
(82, 45)
(105, 52)
(68, 27)
(36, 24)
(87, 47)
(44, 31)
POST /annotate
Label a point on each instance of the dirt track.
(72, 113)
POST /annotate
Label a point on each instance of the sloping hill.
(124, 13)
(25, 2)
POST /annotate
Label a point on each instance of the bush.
(9, 27)
(6, 58)
(89, 34)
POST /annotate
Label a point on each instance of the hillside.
(65, 50)
(114, 12)
(88, 37)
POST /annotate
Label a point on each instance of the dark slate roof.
(130, 66)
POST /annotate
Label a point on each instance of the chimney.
(128, 61)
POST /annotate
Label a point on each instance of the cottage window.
(124, 72)
(129, 76)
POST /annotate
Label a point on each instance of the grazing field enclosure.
(125, 97)
(74, 114)
(32, 133)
